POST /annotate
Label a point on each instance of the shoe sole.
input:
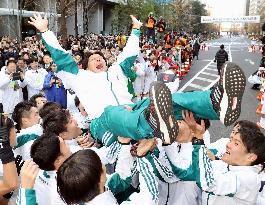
(162, 99)
(234, 82)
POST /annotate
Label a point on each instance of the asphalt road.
(203, 74)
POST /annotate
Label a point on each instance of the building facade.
(256, 7)
(93, 17)
(13, 14)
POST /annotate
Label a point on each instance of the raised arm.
(127, 57)
(64, 61)
(27, 195)
(179, 155)
(61, 57)
(121, 179)
(149, 193)
(108, 155)
(125, 168)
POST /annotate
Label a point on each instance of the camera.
(16, 75)
(55, 78)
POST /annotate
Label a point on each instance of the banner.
(236, 19)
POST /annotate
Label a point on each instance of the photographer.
(54, 89)
(11, 83)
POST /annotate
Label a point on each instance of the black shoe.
(160, 115)
(230, 87)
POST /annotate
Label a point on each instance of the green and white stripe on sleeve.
(24, 139)
(127, 57)
(66, 66)
(26, 197)
(23, 145)
(146, 171)
(121, 179)
(148, 194)
(179, 156)
(161, 169)
(216, 178)
(202, 167)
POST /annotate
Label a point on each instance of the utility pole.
(19, 16)
(76, 26)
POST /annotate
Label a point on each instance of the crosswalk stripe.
(205, 79)
(196, 86)
(210, 74)
(212, 69)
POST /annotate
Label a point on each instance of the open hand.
(198, 129)
(40, 23)
(136, 23)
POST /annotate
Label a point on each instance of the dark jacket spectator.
(221, 57)
(196, 49)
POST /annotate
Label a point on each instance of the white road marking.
(211, 85)
(196, 86)
(205, 79)
(212, 69)
(250, 61)
(209, 68)
(210, 74)
(205, 60)
(194, 77)
(230, 53)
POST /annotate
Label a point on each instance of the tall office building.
(92, 16)
(256, 7)
(11, 15)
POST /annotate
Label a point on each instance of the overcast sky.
(227, 7)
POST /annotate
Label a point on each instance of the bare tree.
(89, 7)
(65, 8)
(33, 5)
(68, 8)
